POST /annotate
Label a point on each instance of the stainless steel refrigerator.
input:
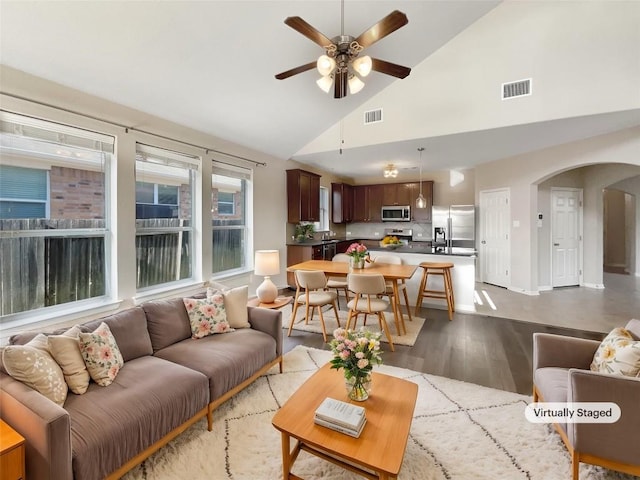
(454, 228)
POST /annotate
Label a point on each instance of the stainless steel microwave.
(396, 213)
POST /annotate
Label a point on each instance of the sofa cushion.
(129, 328)
(227, 360)
(33, 365)
(552, 383)
(65, 350)
(618, 353)
(235, 302)
(101, 355)
(167, 322)
(149, 398)
(207, 316)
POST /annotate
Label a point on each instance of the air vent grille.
(518, 88)
(373, 116)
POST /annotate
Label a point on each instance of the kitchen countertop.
(315, 243)
(427, 249)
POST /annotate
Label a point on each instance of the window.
(323, 224)
(165, 183)
(229, 191)
(24, 192)
(54, 226)
(226, 203)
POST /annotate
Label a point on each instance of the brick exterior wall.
(237, 201)
(76, 194)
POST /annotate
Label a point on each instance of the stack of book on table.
(341, 416)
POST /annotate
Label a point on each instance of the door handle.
(483, 242)
(556, 244)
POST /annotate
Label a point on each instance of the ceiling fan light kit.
(341, 63)
(390, 171)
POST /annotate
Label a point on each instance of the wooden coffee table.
(379, 451)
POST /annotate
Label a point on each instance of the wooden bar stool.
(444, 270)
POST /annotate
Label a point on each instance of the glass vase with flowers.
(356, 352)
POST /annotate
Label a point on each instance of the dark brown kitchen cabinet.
(303, 196)
(367, 203)
(299, 254)
(341, 203)
(397, 193)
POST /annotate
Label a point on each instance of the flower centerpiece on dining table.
(356, 352)
(358, 253)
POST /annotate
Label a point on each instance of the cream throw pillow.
(101, 355)
(65, 350)
(618, 353)
(235, 302)
(33, 365)
(207, 315)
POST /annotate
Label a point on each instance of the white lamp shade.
(362, 65)
(325, 65)
(325, 83)
(355, 85)
(267, 262)
(421, 202)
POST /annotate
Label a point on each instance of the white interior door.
(566, 236)
(495, 252)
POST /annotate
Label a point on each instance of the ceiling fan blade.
(295, 71)
(384, 27)
(389, 68)
(340, 85)
(300, 26)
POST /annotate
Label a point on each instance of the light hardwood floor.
(497, 352)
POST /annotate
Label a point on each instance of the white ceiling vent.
(373, 116)
(519, 88)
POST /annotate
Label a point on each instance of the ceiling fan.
(341, 64)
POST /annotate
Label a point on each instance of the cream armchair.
(561, 373)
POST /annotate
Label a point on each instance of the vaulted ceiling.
(210, 66)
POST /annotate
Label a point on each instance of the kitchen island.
(463, 273)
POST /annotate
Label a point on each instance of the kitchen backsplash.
(421, 231)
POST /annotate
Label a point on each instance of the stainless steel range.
(403, 234)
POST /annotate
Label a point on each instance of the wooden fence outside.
(41, 271)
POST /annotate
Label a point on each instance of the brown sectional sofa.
(168, 382)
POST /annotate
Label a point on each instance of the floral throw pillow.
(101, 355)
(207, 315)
(618, 353)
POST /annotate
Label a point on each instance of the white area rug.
(460, 431)
(413, 327)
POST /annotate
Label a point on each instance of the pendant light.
(421, 202)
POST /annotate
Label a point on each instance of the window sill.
(58, 316)
(188, 287)
(232, 275)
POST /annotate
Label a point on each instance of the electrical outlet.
(419, 234)
(348, 233)
(377, 234)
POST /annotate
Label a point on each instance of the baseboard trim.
(544, 288)
(597, 286)
(532, 293)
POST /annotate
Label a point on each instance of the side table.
(279, 302)
(11, 453)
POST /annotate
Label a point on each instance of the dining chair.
(339, 283)
(311, 292)
(401, 286)
(366, 288)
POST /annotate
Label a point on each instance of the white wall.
(632, 187)
(269, 195)
(570, 50)
(523, 173)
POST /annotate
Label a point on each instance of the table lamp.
(267, 263)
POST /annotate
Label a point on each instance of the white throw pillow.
(235, 303)
(618, 353)
(33, 365)
(65, 350)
